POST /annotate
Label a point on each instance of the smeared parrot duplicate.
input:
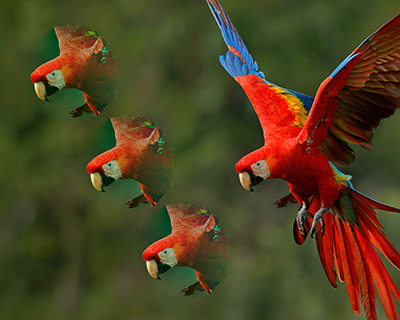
(86, 62)
(305, 137)
(197, 241)
(141, 153)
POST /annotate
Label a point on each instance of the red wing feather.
(73, 38)
(363, 90)
(130, 129)
(186, 217)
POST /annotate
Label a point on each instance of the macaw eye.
(110, 164)
(56, 79)
(165, 252)
(112, 169)
(167, 256)
(261, 169)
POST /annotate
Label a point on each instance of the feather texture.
(198, 241)
(348, 252)
(143, 154)
(364, 88)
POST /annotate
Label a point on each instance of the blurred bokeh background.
(70, 252)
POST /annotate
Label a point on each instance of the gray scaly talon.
(318, 216)
(301, 218)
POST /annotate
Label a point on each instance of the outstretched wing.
(187, 217)
(73, 38)
(363, 89)
(274, 105)
(131, 130)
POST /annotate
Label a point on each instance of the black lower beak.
(50, 90)
(106, 180)
(162, 267)
(255, 180)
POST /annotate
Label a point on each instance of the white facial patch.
(167, 256)
(112, 169)
(261, 169)
(56, 79)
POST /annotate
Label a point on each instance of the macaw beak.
(155, 268)
(100, 180)
(248, 180)
(43, 90)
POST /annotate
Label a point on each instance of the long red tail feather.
(348, 251)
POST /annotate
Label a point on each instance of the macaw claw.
(79, 111)
(301, 218)
(136, 201)
(192, 288)
(318, 217)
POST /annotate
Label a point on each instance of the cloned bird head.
(105, 169)
(253, 169)
(161, 256)
(197, 240)
(49, 78)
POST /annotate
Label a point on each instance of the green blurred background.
(69, 252)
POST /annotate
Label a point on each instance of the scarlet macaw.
(305, 136)
(196, 241)
(141, 153)
(85, 62)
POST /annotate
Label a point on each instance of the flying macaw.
(197, 241)
(141, 153)
(85, 62)
(305, 137)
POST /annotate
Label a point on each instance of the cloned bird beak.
(97, 181)
(155, 268)
(100, 180)
(43, 90)
(245, 180)
(248, 180)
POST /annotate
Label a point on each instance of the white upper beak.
(152, 268)
(97, 181)
(40, 90)
(245, 180)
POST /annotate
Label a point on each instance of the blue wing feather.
(244, 64)
(241, 63)
(344, 63)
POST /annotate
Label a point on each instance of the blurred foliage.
(69, 252)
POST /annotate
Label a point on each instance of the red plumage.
(197, 241)
(141, 153)
(86, 62)
(300, 149)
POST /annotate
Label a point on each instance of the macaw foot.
(285, 200)
(301, 218)
(79, 111)
(135, 202)
(192, 288)
(318, 217)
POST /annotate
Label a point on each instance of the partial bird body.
(85, 63)
(197, 241)
(141, 153)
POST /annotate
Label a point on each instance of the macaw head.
(162, 256)
(49, 78)
(77, 45)
(197, 241)
(107, 168)
(253, 169)
(141, 153)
